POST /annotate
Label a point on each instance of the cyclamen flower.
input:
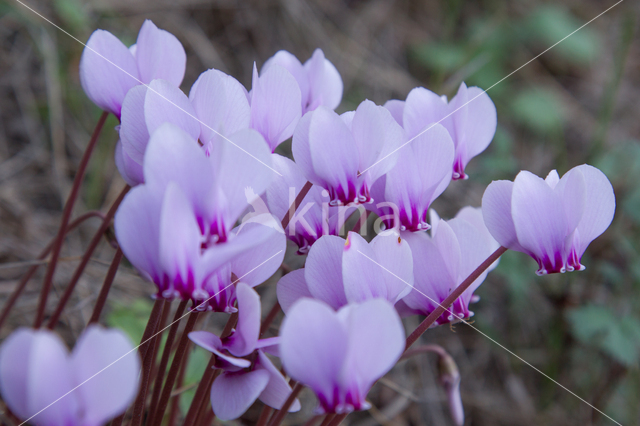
(339, 272)
(147, 108)
(470, 117)
(339, 355)
(422, 173)
(39, 378)
(552, 220)
(108, 69)
(346, 154)
(319, 80)
(248, 374)
(178, 227)
(314, 217)
(443, 260)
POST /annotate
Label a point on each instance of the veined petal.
(130, 170)
(133, 128)
(496, 210)
(233, 393)
(363, 275)
(107, 71)
(323, 271)
(277, 391)
(159, 54)
(165, 103)
(434, 152)
(292, 287)
(302, 150)
(212, 343)
(396, 108)
(294, 66)
(14, 371)
(243, 341)
(573, 191)
(422, 108)
(325, 83)
(256, 265)
(394, 255)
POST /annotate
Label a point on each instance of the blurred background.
(577, 103)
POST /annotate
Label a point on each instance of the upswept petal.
(130, 170)
(107, 71)
(212, 343)
(292, 287)
(165, 103)
(233, 393)
(105, 393)
(325, 83)
(324, 269)
(394, 255)
(159, 54)
(496, 210)
(297, 70)
(474, 216)
(573, 191)
(243, 341)
(363, 275)
(434, 152)
(396, 108)
(277, 391)
(257, 264)
(14, 370)
(133, 129)
(302, 150)
(481, 123)
(422, 108)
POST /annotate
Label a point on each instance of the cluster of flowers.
(199, 163)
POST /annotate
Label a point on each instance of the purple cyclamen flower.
(275, 104)
(147, 108)
(422, 173)
(314, 217)
(552, 220)
(346, 154)
(108, 69)
(443, 260)
(38, 376)
(339, 355)
(248, 374)
(319, 80)
(178, 227)
(470, 117)
(339, 272)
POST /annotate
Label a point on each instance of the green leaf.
(198, 361)
(440, 56)
(132, 319)
(538, 109)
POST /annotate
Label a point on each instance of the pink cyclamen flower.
(178, 227)
(319, 80)
(248, 374)
(470, 117)
(552, 220)
(145, 108)
(108, 69)
(345, 154)
(41, 382)
(422, 173)
(340, 272)
(442, 261)
(339, 355)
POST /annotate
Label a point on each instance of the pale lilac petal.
(323, 271)
(220, 103)
(377, 136)
(270, 345)
(496, 210)
(481, 122)
(292, 287)
(474, 217)
(325, 83)
(133, 128)
(334, 154)
(314, 346)
(396, 108)
(376, 342)
(294, 66)
(302, 150)
(364, 277)
(573, 191)
(107, 71)
(107, 367)
(233, 393)
(277, 390)
(396, 260)
(256, 265)
(212, 343)
(275, 105)
(130, 170)
(14, 371)
(599, 207)
(434, 152)
(422, 108)
(165, 103)
(243, 341)
(159, 54)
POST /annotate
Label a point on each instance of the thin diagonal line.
(493, 340)
(142, 343)
(155, 91)
(492, 86)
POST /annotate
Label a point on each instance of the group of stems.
(162, 389)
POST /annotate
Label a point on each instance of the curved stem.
(433, 316)
(25, 279)
(66, 215)
(106, 286)
(269, 318)
(279, 415)
(296, 203)
(85, 258)
(437, 349)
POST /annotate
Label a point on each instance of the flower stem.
(106, 286)
(296, 203)
(337, 419)
(433, 316)
(85, 258)
(25, 279)
(328, 419)
(279, 415)
(269, 318)
(164, 361)
(264, 415)
(66, 216)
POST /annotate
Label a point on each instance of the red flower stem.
(269, 318)
(147, 353)
(25, 279)
(173, 371)
(106, 286)
(361, 223)
(164, 361)
(279, 415)
(312, 421)
(423, 349)
(327, 419)
(207, 419)
(433, 316)
(296, 203)
(66, 216)
(209, 375)
(173, 411)
(264, 415)
(206, 411)
(337, 419)
(86, 258)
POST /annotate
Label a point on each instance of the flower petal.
(133, 128)
(364, 277)
(277, 391)
(292, 287)
(14, 371)
(496, 210)
(323, 271)
(422, 108)
(130, 170)
(159, 54)
(256, 265)
(294, 66)
(394, 255)
(233, 393)
(165, 103)
(302, 150)
(243, 341)
(325, 83)
(396, 108)
(479, 126)
(212, 343)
